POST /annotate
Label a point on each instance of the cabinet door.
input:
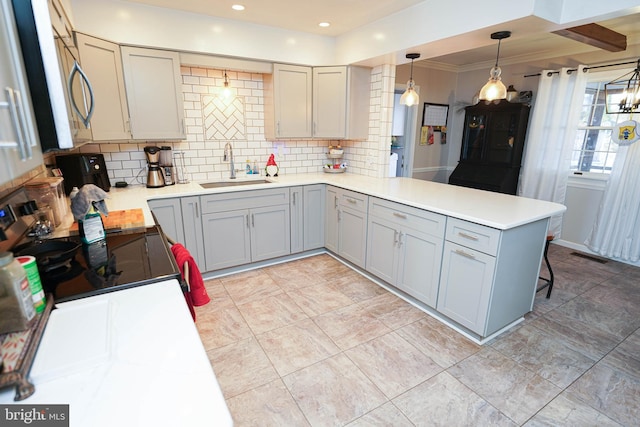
(226, 239)
(419, 265)
(292, 100)
(329, 102)
(352, 240)
(313, 217)
(102, 61)
(465, 286)
(297, 218)
(331, 219)
(168, 212)
(192, 225)
(382, 240)
(20, 151)
(270, 236)
(154, 93)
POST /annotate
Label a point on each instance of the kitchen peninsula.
(468, 257)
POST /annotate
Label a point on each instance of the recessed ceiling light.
(237, 7)
(324, 24)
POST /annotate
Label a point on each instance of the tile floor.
(311, 342)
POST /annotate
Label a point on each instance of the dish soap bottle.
(91, 227)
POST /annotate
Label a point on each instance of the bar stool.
(549, 281)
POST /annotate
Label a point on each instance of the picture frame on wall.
(434, 123)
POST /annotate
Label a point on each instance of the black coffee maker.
(155, 177)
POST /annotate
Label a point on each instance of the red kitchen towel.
(197, 294)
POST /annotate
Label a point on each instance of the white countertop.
(501, 211)
(131, 357)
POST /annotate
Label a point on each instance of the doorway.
(403, 135)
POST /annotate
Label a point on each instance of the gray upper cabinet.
(102, 60)
(154, 93)
(288, 102)
(19, 144)
(319, 102)
(341, 102)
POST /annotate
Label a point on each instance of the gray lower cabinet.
(307, 217)
(488, 275)
(180, 220)
(313, 197)
(168, 212)
(245, 226)
(404, 248)
(296, 210)
(346, 224)
(192, 226)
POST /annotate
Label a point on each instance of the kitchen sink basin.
(222, 184)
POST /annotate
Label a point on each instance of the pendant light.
(226, 90)
(495, 89)
(410, 96)
(623, 94)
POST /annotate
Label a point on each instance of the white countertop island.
(127, 358)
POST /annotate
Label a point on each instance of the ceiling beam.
(596, 35)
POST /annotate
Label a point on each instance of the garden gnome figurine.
(272, 167)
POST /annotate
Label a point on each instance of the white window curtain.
(616, 231)
(550, 138)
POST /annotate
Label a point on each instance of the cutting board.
(128, 218)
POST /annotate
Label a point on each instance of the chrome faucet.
(228, 155)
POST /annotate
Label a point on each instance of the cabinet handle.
(400, 237)
(197, 213)
(339, 216)
(467, 236)
(294, 199)
(335, 202)
(400, 215)
(28, 136)
(350, 200)
(247, 218)
(395, 237)
(253, 222)
(465, 254)
(15, 119)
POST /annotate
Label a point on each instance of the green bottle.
(91, 227)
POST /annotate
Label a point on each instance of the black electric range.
(126, 259)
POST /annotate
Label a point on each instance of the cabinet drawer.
(473, 236)
(417, 219)
(353, 200)
(244, 200)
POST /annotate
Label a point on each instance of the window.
(593, 150)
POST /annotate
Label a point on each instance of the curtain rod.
(571, 70)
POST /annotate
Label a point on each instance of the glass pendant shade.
(410, 96)
(494, 89)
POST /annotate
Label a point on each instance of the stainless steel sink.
(221, 184)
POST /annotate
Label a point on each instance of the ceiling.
(346, 15)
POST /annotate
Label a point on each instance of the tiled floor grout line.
(611, 278)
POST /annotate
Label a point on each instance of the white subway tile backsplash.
(211, 122)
